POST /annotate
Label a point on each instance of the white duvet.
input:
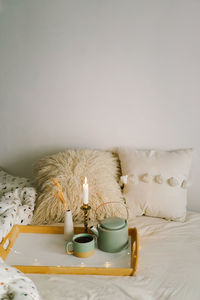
(169, 267)
(17, 201)
(14, 285)
(16, 207)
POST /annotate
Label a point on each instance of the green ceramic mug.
(82, 245)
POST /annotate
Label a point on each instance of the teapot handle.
(110, 202)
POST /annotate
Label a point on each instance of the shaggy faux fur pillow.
(69, 168)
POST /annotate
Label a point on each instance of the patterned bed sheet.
(17, 200)
(14, 285)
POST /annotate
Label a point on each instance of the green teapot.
(112, 234)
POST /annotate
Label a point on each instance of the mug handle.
(67, 248)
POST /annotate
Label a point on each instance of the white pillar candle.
(85, 192)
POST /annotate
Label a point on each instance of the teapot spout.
(94, 230)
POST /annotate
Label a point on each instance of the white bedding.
(14, 285)
(17, 200)
(169, 267)
(16, 207)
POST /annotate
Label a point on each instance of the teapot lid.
(113, 223)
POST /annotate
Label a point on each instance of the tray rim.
(46, 229)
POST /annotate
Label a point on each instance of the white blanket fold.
(16, 207)
(14, 285)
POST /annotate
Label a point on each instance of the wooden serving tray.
(41, 249)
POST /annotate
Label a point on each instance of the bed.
(169, 251)
(169, 267)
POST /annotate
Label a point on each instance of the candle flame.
(85, 180)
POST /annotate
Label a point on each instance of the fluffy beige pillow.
(69, 168)
(156, 182)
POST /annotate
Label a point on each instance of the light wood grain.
(75, 270)
(11, 237)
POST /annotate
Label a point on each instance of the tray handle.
(8, 241)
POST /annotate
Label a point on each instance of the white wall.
(98, 73)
